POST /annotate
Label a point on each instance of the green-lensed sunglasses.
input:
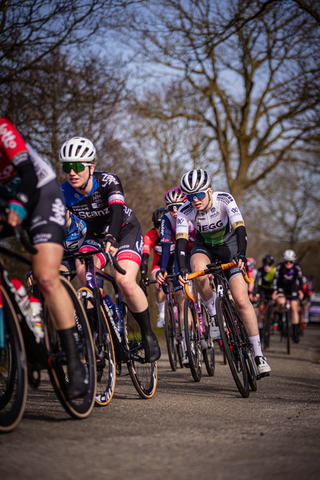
(75, 166)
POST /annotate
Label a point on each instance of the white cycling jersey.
(217, 225)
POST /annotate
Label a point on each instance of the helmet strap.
(85, 185)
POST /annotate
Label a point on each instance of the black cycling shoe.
(78, 383)
(151, 348)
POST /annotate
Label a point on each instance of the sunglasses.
(199, 196)
(75, 166)
(288, 261)
(173, 206)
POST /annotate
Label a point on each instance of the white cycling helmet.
(174, 195)
(77, 149)
(289, 256)
(195, 181)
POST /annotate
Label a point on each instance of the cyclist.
(98, 199)
(263, 286)
(251, 272)
(305, 302)
(287, 274)
(221, 234)
(34, 198)
(152, 240)
(174, 199)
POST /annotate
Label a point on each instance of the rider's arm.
(241, 239)
(116, 210)
(165, 240)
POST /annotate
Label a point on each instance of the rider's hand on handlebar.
(112, 245)
(13, 218)
(240, 260)
(161, 275)
(183, 277)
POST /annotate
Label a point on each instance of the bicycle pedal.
(264, 375)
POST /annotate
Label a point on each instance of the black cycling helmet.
(268, 260)
(157, 215)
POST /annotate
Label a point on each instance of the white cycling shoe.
(161, 320)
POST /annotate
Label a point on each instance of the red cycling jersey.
(152, 240)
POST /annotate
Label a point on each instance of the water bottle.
(118, 318)
(25, 306)
(37, 318)
(107, 300)
(23, 297)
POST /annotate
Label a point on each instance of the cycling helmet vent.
(77, 149)
(195, 181)
(175, 195)
(289, 256)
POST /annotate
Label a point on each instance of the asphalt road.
(187, 430)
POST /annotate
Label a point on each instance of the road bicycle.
(267, 326)
(172, 331)
(286, 332)
(112, 348)
(197, 333)
(23, 353)
(233, 337)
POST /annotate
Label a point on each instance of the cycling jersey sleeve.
(241, 239)
(181, 253)
(147, 242)
(165, 240)
(276, 277)
(116, 211)
(29, 181)
(300, 276)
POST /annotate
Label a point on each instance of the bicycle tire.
(169, 333)
(248, 351)
(81, 407)
(267, 326)
(208, 353)
(288, 331)
(193, 344)
(13, 370)
(144, 375)
(232, 346)
(106, 375)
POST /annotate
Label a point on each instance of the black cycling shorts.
(224, 252)
(289, 290)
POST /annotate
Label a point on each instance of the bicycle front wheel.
(208, 353)
(192, 333)
(104, 351)
(81, 407)
(232, 346)
(144, 375)
(13, 370)
(169, 331)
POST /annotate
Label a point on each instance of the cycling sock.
(143, 320)
(211, 304)
(184, 340)
(256, 345)
(161, 306)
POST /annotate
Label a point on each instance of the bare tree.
(234, 87)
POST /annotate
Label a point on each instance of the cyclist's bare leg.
(135, 298)
(159, 294)
(199, 261)
(138, 305)
(239, 291)
(294, 312)
(181, 299)
(46, 266)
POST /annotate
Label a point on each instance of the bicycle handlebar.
(112, 260)
(213, 268)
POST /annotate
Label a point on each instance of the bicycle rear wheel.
(287, 330)
(267, 323)
(192, 333)
(208, 353)
(81, 407)
(232, 346)
(13, 370)
(105, 355)
(169, 332)
(144, 375)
